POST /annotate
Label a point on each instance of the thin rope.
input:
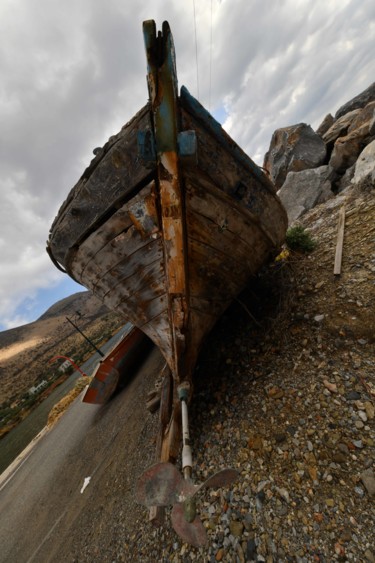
(196, 47)
(209, 93)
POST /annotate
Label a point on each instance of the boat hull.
(233, 223)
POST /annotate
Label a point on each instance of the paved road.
(17, 439)
(43, 497)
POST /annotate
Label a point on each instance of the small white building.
(64, 366)
(37, 388)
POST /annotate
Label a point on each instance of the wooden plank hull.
(121, 257)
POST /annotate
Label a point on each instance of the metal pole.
(86, 337)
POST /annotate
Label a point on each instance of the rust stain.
(144, 216)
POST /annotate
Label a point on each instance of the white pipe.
(187, 459)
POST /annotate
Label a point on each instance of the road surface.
(61, 496)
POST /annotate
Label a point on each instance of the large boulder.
(365, 165)
(364, 121)
(327, 122)
(303, 190)
(359, 101)
(344, 181)
(345, 152)
(340, 127)
(360, 127)
(293, 149)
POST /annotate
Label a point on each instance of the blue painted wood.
(187, 143)
(146, 147)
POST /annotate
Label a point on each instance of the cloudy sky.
(73, 72)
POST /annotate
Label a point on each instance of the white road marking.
(46, 537)
(86, 481)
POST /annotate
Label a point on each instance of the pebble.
(236, 528)
(353, 396)
(370, 410)
(362, 415)
(358, 444)
(339, 457)
(283, 493)
(251, 550)
(368, 479)
(332, 387)
(219, 554)
(359, 491)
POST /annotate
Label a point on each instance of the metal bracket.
(187, 145)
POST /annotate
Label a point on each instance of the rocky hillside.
(309, 167)
(26, 350)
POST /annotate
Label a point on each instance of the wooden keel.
(162, 86)
(169, 434)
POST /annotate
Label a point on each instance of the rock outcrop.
(365, 165)
(309, 167)
(293, 149)
(340, 127)
(303, 190)
(359, 101)
(327, 122)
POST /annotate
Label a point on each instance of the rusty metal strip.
(162, 85)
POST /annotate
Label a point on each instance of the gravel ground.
(288, 400)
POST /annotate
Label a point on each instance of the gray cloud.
(74, 72)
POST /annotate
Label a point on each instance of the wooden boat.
(167, 225)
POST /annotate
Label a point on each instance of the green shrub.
(299, 239)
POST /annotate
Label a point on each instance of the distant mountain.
(83, 301)
(25, 351)
(64, 305)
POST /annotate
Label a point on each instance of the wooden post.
(340, 242)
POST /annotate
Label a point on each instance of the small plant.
(299, 239)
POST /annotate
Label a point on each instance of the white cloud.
(74, 72)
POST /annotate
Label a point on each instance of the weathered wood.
(112, 175)
(116, 225)
(205, 198)
(139, 270)
(156, 514)
(119, 223)
(340, 242)
(162, 87)
(153, 403)
(235, 176)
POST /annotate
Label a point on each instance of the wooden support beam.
(340, 242)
